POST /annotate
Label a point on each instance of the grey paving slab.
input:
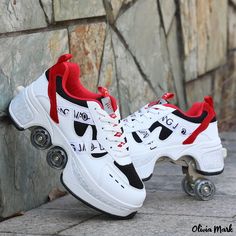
(146, 224)
(68, 203)
(43, 221)
(229, 136)
(167, 168)
(175, 203)
(22, 234)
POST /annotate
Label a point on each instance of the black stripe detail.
(136, 137)
(131, 174)
(196, 120)
(62, 93)
(165, 132)
(97, 155)
(80, 129)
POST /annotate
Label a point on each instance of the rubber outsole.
(115, 217)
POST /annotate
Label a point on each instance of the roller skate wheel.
(40, 138)
(187, 186)
(57, 158)
(204, 189)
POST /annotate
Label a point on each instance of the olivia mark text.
(214, 229)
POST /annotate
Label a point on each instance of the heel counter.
(212, 131)
(20, 111)
(40, 86)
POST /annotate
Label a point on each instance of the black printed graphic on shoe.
(164, 133)
(96, 148)
(80, 129)
(81, 115)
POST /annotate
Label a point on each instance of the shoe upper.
(160, 124)
(91, 123)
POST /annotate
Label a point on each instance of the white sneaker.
(161, 131)
(86, 136)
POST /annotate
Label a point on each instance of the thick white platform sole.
(26, 112)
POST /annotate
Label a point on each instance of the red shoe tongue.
(163, 100)
(108, 102)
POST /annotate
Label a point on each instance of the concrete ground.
(166, 211)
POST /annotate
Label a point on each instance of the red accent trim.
(103, 91)
(153, 103)
(121, 144)
(113, 115)
(118, 134)
(209, 100)
(168, 96)
(208, 107)
(64, 58)
(165, 96)
(59, 69)
(70, 73)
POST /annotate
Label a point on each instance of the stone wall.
(138, 49)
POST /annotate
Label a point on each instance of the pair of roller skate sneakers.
(96, 150)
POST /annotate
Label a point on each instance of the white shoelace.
(114, 134)
(144, 113)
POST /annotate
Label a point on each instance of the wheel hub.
(204, 189)
(57, 159)
(40, 138)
